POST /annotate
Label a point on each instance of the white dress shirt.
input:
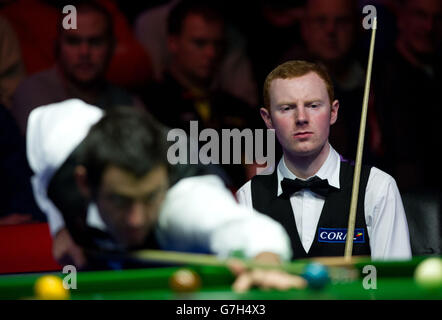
(384, 212)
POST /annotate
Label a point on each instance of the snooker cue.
(185, 258)
(358, 163)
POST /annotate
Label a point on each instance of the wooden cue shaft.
(358, 163)
(211, 260)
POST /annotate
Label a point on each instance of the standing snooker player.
(105, 184)
(309, 193)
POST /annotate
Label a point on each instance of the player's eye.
(154, 195)
(120, 201)
(147, 200)
(286, 107)
(200, 43)
(314, 105)
(73, 41)
(97, 41)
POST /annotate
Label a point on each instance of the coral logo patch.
(339, 235)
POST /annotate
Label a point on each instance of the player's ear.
(334, 112)
(81, 180)
(265, 115)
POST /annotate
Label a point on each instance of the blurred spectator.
(35, 22)
(195, 43)
(17, 204)
(271, 27)
(82, 58)
(11, 65)
(234, 75)
(329, 31)
(407, 87)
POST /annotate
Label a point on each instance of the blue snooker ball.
(317, 275)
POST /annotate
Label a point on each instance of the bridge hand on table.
(263, 278)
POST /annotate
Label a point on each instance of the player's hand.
(264, 278)
(66, 251)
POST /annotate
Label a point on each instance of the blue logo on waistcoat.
(339, 235)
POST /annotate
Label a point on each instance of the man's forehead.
(119, 180)
(89, 23)
(198, 24)
(307, 87)
(330, 7)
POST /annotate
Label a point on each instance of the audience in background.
(82, 59)
(11, 66)
(196, 34)
(234, 72)
(35, 22)
(271, 27)
(406, 84)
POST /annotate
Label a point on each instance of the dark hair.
(88, 6)
(125, 137)
(184, 8)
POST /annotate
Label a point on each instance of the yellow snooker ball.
(428, 273)
(50, 288)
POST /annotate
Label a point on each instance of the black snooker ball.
(317, 275)
(185, 280)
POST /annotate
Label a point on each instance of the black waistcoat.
(332, 226)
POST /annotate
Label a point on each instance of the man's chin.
(84, 80)
(302, 151)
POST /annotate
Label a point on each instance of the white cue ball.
(428, 273)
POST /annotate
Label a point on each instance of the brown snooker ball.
(185, 280)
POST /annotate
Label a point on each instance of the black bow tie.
(316, 184)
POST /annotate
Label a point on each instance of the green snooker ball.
(185, 280)
(428, 273)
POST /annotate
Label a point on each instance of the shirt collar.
(93, 218)
(329, 170)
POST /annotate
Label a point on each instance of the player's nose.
(84, 48)
(136, 216)
(301, 116)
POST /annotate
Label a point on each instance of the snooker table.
(394, 282)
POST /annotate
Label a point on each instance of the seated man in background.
(82, 60)
(309, 193)
(234, 74)
(196, 35)
(35, 23)
(112, 189)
